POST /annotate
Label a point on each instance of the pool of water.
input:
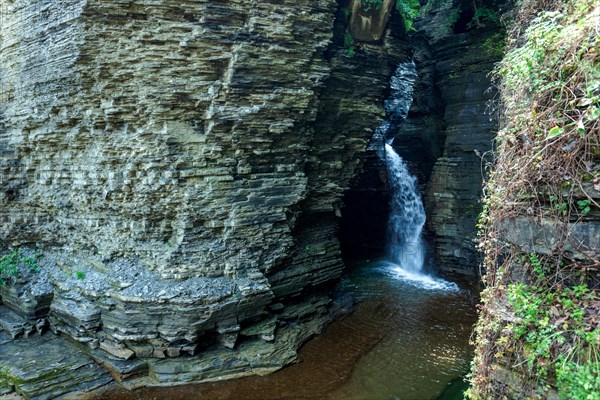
(426, 350)
(407, 339)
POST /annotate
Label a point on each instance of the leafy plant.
(483, 13)
(80, 275)
(12, 262)
(371, 4)
(539, 316)
(495, 45)
(549, 321)
(409, 10)
(453, 18)
(349, 44)
(584, 206)
(346, 11)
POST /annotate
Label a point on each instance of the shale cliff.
(171, 178)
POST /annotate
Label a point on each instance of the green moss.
(409, 10)
(10, 380)
(555, 333)
(12, 262)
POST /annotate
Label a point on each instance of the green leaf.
(580, 127)
(554, 132)
(593, 113)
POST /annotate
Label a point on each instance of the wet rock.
(264, 329)
(448, 124)
(463, 65)
(29, 298)
(120, 370)
(141, 351)
(228, 339)
(75, 315)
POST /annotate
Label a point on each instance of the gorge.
(182, 185)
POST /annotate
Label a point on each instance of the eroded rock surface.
(181, 167)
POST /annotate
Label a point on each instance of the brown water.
(402, 342)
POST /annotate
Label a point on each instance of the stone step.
(48, 367)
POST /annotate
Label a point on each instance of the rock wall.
(171, 182)
(464, 61)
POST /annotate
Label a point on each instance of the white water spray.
(407, 215)
(405, 247)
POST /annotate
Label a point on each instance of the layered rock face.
(464, 61)
(164, 157)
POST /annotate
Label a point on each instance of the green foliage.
(12, 262)
(483, 14)
(495, 45)
(539, 313)
(557, 336)
(409, 10)
(453, 18)
(428, 6)
(536, 264)
(9, 267)
(584, 206)
(348, 40)
(555, 131)
(368, 5)
(346, 11)
(80, 275)
(349, 44)
(527, 66)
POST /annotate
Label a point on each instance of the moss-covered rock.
(538, 334)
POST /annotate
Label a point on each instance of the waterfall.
(405, 247)
(407, 215)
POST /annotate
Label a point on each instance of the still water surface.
(405, 340)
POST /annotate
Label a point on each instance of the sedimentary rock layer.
(166, 160)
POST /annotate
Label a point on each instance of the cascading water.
(407, 215)
(405, 246)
